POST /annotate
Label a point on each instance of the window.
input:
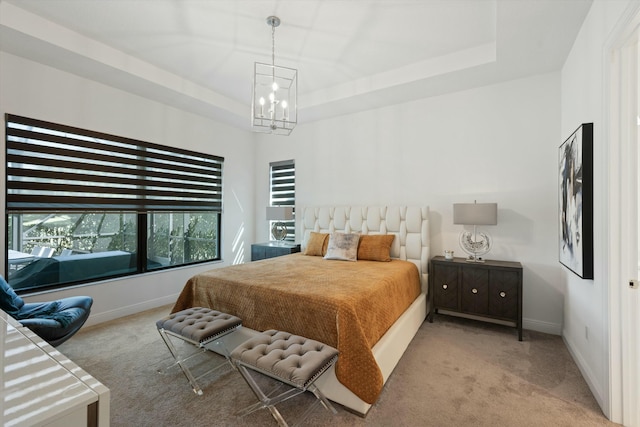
(83, 205)
(282, 178)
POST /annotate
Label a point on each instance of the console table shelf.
(490, 291)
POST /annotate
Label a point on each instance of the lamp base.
(475, 244)
(279, 231)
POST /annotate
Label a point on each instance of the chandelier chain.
(273, 52)
(273, 44)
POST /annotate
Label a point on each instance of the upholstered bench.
(202, 327)
(291, 359)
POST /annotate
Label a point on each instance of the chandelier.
(274, 106)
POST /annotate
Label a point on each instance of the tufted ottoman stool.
(290, 359)
(202, 327)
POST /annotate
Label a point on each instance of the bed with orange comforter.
(348, 305)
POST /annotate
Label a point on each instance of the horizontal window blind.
(283, 183)
(57, 167)
(283, 190)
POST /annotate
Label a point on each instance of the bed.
(369, 309)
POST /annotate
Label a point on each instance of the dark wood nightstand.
(490, 291)
(272, 249)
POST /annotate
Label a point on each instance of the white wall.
(586, 324)
(492, 144)
(33, 90)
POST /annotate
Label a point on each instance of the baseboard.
(587, 374)
(544, 327)
(105, 316)
(533, 325)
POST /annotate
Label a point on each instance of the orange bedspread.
(348, 305)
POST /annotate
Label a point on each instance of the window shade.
(57, 167)
(283, 183)
(283, 190)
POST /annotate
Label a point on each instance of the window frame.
(54, 168)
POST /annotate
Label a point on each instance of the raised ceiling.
(351, 54)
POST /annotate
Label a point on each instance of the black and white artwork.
(576, 202)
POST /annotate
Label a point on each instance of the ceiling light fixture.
(275, 90)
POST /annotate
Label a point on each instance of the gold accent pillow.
(375, 247)
(317, 244)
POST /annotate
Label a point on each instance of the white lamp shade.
(475, 213)
(279, 213)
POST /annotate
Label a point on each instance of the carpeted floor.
(456, 372)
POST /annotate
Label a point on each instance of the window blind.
(283, 183)
(283, 190)
(57, 167)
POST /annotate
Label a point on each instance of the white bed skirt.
(387, 353)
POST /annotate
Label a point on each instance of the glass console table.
(40, 386)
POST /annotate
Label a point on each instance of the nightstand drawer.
(445, 289)
(475, 291)
(504, 295)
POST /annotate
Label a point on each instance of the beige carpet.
(456, 372)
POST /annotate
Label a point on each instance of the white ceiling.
(350, 54)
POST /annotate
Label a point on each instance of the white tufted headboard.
(410, 225)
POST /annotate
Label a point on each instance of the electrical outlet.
(633, 284)
(586, 333)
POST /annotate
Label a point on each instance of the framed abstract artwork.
(575, 171)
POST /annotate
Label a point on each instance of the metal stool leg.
(263, 354)
(264, 400)
(270, 402)
(203, 328)
(322, 398)
(194, 385)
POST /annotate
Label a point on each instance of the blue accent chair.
(54, 321)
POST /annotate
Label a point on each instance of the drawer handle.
(445, 286)
(474, 291)
(503, 294)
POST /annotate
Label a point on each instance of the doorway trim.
(621, 96)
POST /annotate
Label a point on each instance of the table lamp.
(279, 214)
(474, 243)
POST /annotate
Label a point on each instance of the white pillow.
(343, 246)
